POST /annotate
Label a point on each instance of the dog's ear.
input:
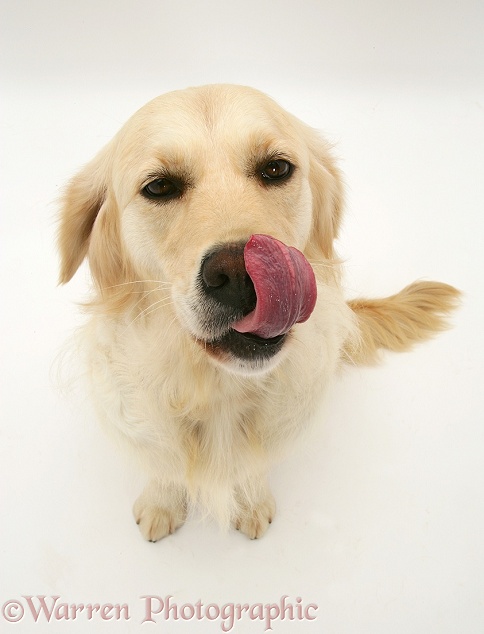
(90, 226)
(81, 203)
(327, 192)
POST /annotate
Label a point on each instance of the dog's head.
(174, 198)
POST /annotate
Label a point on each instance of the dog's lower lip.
(261, 340)
(246, 347)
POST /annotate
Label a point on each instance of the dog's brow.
(167, 164)
(183, 177)
(265, 152)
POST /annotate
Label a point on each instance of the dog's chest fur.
(189, 419)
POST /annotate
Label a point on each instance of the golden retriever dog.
(217, 318)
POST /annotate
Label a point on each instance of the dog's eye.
(277, 170)
(162, 189)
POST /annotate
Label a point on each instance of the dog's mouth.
(246, 347)
(251, 295)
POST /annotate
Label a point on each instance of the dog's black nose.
(225, 279)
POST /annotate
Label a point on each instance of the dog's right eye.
(276, 171)
(162, 189)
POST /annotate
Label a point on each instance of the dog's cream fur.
(207, 426)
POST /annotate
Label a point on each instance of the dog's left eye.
(162, 189)
(277, 170)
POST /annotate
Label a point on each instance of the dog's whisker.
(161, 303)
(171, 323)
(160, 282)
(153, 307)
(326, 265)
(145, 295)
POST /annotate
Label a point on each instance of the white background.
(380, 517)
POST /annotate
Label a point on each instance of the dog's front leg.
(256, 508)
(160, 510)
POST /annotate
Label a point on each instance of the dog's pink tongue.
(284, 284)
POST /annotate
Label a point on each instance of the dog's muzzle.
(253, 292)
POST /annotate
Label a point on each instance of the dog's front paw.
(254, 520)
(159, 513)
(156, 522)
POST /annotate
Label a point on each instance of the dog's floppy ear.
(327, 191)
(90, 226)
(81, 204)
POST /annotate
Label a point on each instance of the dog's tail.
(398, 322)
